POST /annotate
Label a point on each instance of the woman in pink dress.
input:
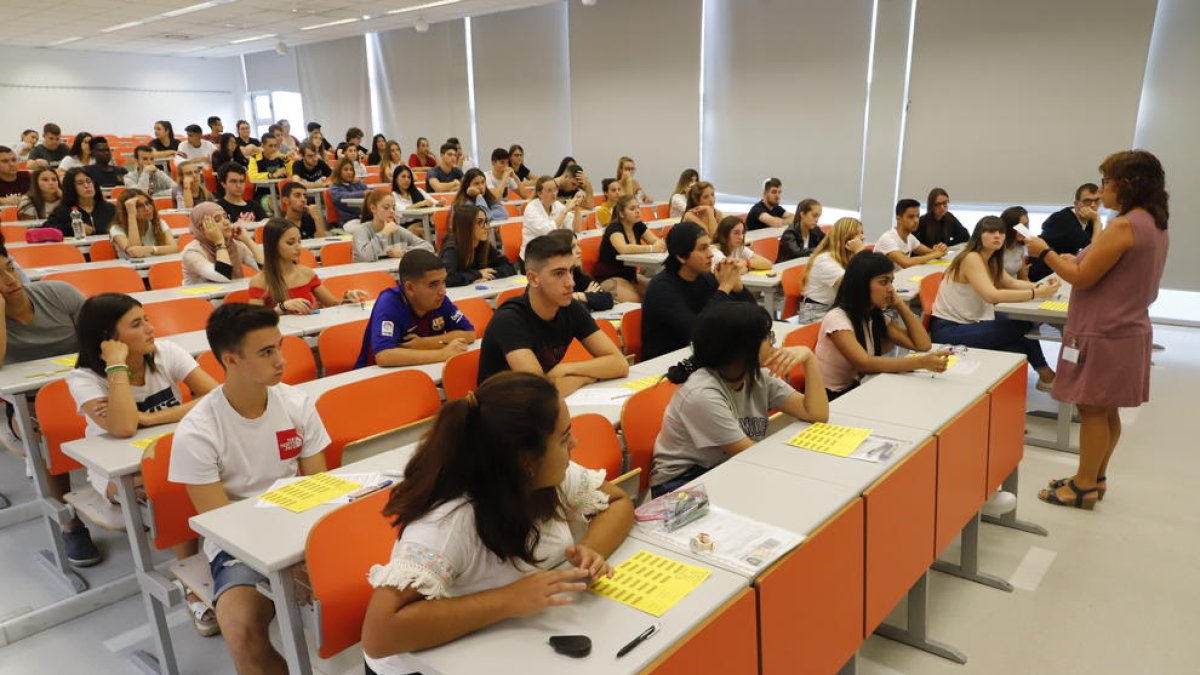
(1105, 359)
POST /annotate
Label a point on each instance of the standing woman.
(730, 242)
(284, 284)
(392, 159)
(803, 236)
(79, 191)
(473, 190)
(80, 153)
(826, 267)
(379, 236)
(218, 248)
(137, 231)
(476, 258)
(687, 179)
(1014, 243)
(516, 160)
(1105, 360)
(701, 207)
(626, 169)
(165, 145)
(625, 234)
(422, 158)
(43, 196)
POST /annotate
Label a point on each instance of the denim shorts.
(229, 572)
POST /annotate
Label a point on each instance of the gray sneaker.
(81, 552)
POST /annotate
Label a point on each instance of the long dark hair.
(854, 297)
(726, 334)
(414, 193)
(462, 234)
(484, 448)
(70, 196)
(97, 322)
(76, 150)
(273, 232)
(1011, 217)
(725, 231)
(374, 156)
(995, 263)
(35, 191)
(1140, 182)
(225, 154)
(562, 166)
(462, 197)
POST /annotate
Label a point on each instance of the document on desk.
(303, 493)
(831, 439)
(738, 544)
(1054, 305)
(650, 583)
(643, 383)
(198, 290)
(598, 396)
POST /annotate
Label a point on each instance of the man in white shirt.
(502, 178)
(195, 148)
(900, 245)
(147, 177)
(233, 445)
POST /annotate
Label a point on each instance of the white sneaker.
(1000, 503)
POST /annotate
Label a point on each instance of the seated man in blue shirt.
(415, 323)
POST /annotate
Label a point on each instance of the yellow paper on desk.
(650, 583)
(521, 281)
(938, 262)
(832, 439)
(950, 360)
(68, 361)
(144, 443)
(762, 273)
(199, 290)
(916, 279)
(1054, 305)
(643, 383)
(312, 491)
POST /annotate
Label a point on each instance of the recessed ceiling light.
(122, 26)
(327, 24)
(252, 38)
(194, 8)
(417, 8)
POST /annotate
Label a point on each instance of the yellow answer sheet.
(1054, 305)
(650, 583)
(643, 383)
(312, 491)
(198, 290)
(831, 439)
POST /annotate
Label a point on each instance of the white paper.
(598, 396)
(1023, 231)
(740, 545)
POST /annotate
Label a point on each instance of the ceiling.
(210, 29)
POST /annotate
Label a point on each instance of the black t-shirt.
(55, 155)
(454, 174)
(269, 166)
(516, 326)
(566, 194)
(671, 307)
(100, 217)
(949, 231)
(235, 211)
(752, 221)
(159, 147)
(314, 175)
(522, 172)
(607, 265)
(106, 176)
(308, 226)
(17, 186)
(249, 141)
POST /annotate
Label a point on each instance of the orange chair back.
(259, 233)
(577, 352)
(441, 223)
(509, 295)
(767, 248)
(8, 214)
(662, 210)
(12, 233)
(647, 213)
(170, 505)
(340, 551)
(208, 362)
(929, 290)
(164, 203)
(460, 374)
(46, 255)
(210, 180)
(792, 292)
(177, 220)
(301, 366)
(514, 210)
(102, 250)
(338, 346)
(331, 212)
(352, 411)
(242, 296)
(478, 312)
(631, 333)
(373, 283)
(337, 253)
(641, 419)
(804, 336)
(306, 257)
(55, 409)
(589, 250)
(183, 240)
(166, 274)
(102, 280)
(510, 238)
(597, 444)
(184, 315)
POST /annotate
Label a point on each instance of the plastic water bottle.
(77, 222)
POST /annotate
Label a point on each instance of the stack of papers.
(650, 583)
(740, 545)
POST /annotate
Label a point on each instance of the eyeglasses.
(945, 203)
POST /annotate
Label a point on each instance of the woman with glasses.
(938, 225)
(137, 231)
(476, 258)
(79, 191)
(1069, 230)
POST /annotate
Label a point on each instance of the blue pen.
(370, 489)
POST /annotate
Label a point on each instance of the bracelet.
(117, 368)
(1033, 293)
(1043, 254)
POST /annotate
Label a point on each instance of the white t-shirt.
(678, 206)
(959, 302)
(741, 252)
(158, 239)
(891, 241)
(213, 443)
(403, 202)
(836, 371)
(493, 182)
(442, 556)
(823, 273)
(70, 162)
(204, 153)
(538, 222)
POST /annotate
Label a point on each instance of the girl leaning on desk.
(284, 284)
(490, 506)
(1105, 361)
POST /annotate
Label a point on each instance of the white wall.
(334, 86)
(272, 72)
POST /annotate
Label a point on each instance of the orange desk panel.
(727, 642)
(1007, 427)
(900, 510)
(962, 459)
(810, 602)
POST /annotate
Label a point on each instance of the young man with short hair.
(1070, 230)
(51, 149)
(901, 245)
(232, 177)
(768, 212)
(572, 182)
(102, 171)
(414, 322)
(233, 445)
(146, 176)
(215, 129)
(531, 333)
(13, 182)
(445, 177)
(195, 148)
(354, 137)
(502, 178)
(296, 209)
(311, 171)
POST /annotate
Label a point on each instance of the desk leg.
(968, 560)
(769, 301)
(148, 578)
(1062, 430)
(914, 634)
(272, 188)
(1010, 519)
(427, 230)
(291, 630)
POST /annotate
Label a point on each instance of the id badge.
(1070, 354)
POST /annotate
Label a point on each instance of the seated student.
(195, 148)
(804, 234)
(379, 235)
(408, 195)
(678, 202)
(624, 235)
(392, 159)
(137, 231)
(826, 266)
(288, 143)
(232, 178)
(516, 159)
(1070, 230)
(146, 176)
(587, 290)
(284, 284)
(938, 225)
(733, 378)
(354, 137)
(80, 153)
(502, 180)
(685, 286)
(445, 176)
(191, 190)
(296, 210)
(473, 190)
(701, 208)
(1014, 243)
(574, 184)
(227, 151)
(612, 192)
(422, 158)
(248, 146)
(51, 149)
(267, 165)
(311, 171)
(626, 170)
(215, 128)
(13, 182)
(899, 244)
(79, 192)
(318, 140)
(544, 213)
(345, 185)
(354, 154)
(125, 379)
(963, 313)
(378, 150)
(531, 333)
(768, 212)
(414, 322)
(102, 171)
(856, 333)
(164, 145)
(29, 138)
(483, 532)
(477, 258)
(730, 244)
(233, 445)
(43, 197)
(218, 249)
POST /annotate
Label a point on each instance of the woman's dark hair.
(150, 229)
(486, 448)
(726, 334)
(805, 206)
(513, 148)
(469, 177)
(462, 234)
(995, 263)
(1140, 182)
(681, 241)
(76, 150)
(1011, 217)
(35, 191)
(168, 128)
(226, 150)
(97, 322)
(725, 231)
(854, 297)
(337, 171)
(562, 166)
(70, 195)
(414, 193)
(274, 231)
(375, 155)
(936, 229)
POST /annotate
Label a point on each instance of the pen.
(638, 640)
(364, 491)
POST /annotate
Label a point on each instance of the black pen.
(638, 640)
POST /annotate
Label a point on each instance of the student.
(768, 212)
(1071, 229)
(195, 148)
(730, 243)
(378, 150)
(164, 145)
(219, 249)
(544, 213)
(191, 189)
(227, 151)
(474, 190)
(267, 165)
(963, 313)
(137, 231)
(233, 445)
(43, 197)
(80, 153)
(247, 144)
(625, 234)
(232, 178)
(13, 183)
(516, 160)
(502, 179)
(51, 149)
(899, 244)
(685, 286)
(613, 191)
(354, 137)
(573, 184)
(938, 225)
(406, 192)
(445, 176)
(483, 532)
(80, 192)
(379, 235)
(103, 172)
(587, 290)
(346, 185)
(297, 210)
(392, 159)
(856, 333)
(215, 129)
(146, 176)
(804, 234)
(422, 158)
(626, 170)
(826, 267)
(477, 258)
(688, 178)
(354, 155)
(734, 377)
(531, 333)
(701, 207)
(284, 284)
(317, 138)
(311, 171)
(1014, 244)
(29, 138)
(288, 144)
